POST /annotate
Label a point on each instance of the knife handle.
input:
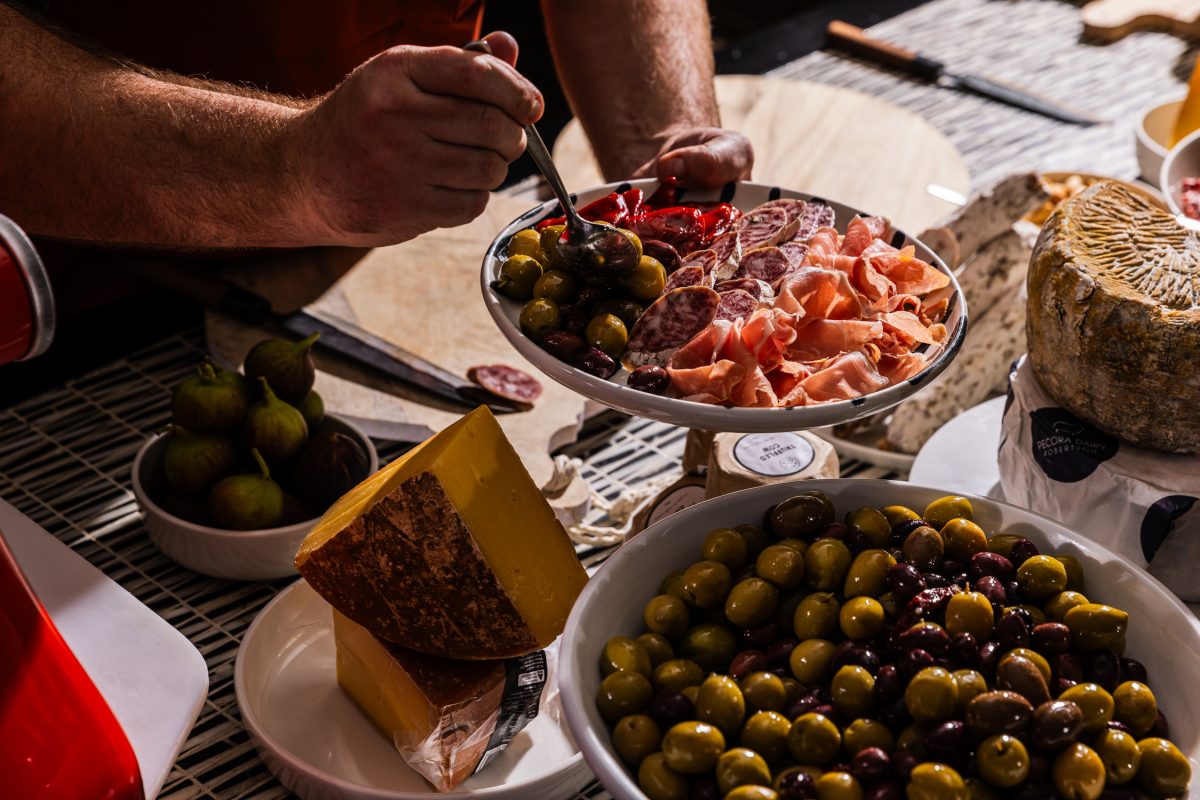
(854, 39)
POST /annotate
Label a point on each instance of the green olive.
(826, 562)
(621, 652)
(676, 675)
(814, 739)
(912, 738)
(811, 661)
(623, 693)
(1078, 773)
(673, 584)
(693, 747)
(752, 792)
(868, 573)
(1164, 772)
(766, 734)
(559, 285)
(706, 583)
(666, 614)
(657, 647)
(963, 539)
(518, 275)
(659, 781)
(817, 617)
(863, 733)
(607, 332)
(628, 311)
(931, 781)
(636, 737)
(1120, 753)
(549, 244)
(924, 548)
(931, 695)
(782, 565)
(764, 691)
(872, 524)
(944, 509)
(897, 514)
(853, 692)
(633, 239)
(720, 702)
(1057, 607)
(726, 546)
(1036, 614)
(970, 612)
(539, 317)
(756, 538)
(751, 602)
(1042, 577)
(527, 242)
(893, 606)
(1074, 572)
(710, 645)
(739, 766)
(1002, 543)
(1095, 626)
(799, 545)
(646, 280)
(1095, 703)
(838, 786)
(970, 685)
(691, 693)
(1135, 705)
(1002, 761)
(861, 618)
(1033, 655)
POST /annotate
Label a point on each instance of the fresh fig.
(247, 502)
(312, 408)
(274, 428)
(287, 366)
(213, 400)
(331, 465)
(193, 462)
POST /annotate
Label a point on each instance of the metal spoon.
(587, 246)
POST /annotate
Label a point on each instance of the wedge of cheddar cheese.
(450, 550)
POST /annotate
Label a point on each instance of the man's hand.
(412, 140)
(702, 157)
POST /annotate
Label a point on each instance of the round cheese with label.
(744, 460)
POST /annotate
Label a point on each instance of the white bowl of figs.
(249, 462)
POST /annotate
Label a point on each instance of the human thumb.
(716, 162)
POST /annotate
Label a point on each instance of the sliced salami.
(701, 258)
(507, 382)
(763, 227)
(815, 215)
(795, 252)
(736, 304)
(794, 207)
(692, 275)
(728, 247)
(761, 290)
(765, 264)
(670, 322)
(665, 254)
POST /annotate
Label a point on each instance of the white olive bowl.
(1155, 126)
(237, 555)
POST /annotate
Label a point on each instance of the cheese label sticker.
(525, 677)
(774, 454)
(680, 498)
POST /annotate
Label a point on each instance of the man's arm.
(639, 74)
(94, 150)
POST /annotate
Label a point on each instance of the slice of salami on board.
(670, 322)
(507, 382)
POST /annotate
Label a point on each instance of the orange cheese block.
(439, 713)
(450, 550)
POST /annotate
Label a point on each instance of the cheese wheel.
(1114, 317)
(744, 460)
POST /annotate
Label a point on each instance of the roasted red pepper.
(719, 220)
(682, 227)
(635, 202)
(611, 209)
(667, 194)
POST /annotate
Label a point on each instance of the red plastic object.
(58, 738)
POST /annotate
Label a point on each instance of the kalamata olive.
(802, 706)
(595, 361)
(1014, 592)
(936, 580)
(885, 791)
(904, 527)
(834, 530)
(997, 712)
(989, 657)
(905, 580)
(746, 662)
(849, 654)
(948, 743)
(895, 716)
(795, 784)
(964, 648)
(1050, 638)
(779, 651)
(924, 549)
(1012, 630)
(1021, 675)
(916, 660)
(1066, 665)
(870, 765)
(926, 636)
(1060, 685)
(889, 684)
(663, 253)
(704, 787)
(1133, 670)
(760, 637)
(857, 541)
(650, 378)
(1022, 551)
(993, 589)
(669, 709)
(1117, 725)
(991, 565)
(903, 762)
(1055, 725)
(564, 345)
(1160, 729)
(1104, 669)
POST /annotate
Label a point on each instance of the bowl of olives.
(850, 639)
(248, 464)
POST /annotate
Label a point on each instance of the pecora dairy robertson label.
(1067, 448)
(774, 454)
(1160, 519)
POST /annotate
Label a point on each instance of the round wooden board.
(825, 140)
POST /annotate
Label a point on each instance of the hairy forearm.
(97, 151)
(633, 70)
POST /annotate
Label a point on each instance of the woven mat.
(65, 456)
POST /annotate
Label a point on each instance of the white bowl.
(237, 555)
(1162, 632)
(1156, 125)
(614, 393)
(1182, 161)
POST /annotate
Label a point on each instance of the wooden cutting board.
(1110, 20)
(829, 141)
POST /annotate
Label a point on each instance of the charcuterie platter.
(755, 309)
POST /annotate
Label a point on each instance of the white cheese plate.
(153, 679)
(961, 455)
(319, 744)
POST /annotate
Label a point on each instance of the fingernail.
(672, 167)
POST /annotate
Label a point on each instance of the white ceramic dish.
(236, 555)
(1182, 161)
(863, 445)
(151, 676)
(961, 455)
(615, 394)
(1155, 126)
(1161, 632)
(322, 747)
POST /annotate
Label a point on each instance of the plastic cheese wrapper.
(1139, 503)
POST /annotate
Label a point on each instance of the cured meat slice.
(736, 304)
(816, 215)
(508, 382)
(795, 251)
(821, 293)
(765, 264)
(761, 290)
(819, 339)
(849, 375)
(728, 247)
(910, 274)
(760, 228)
(686, 276)
(701, 258)
(671, 321)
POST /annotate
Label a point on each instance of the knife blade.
(853, 39)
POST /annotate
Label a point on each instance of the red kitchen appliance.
(26, 304)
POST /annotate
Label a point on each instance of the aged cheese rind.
(1114, 317)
